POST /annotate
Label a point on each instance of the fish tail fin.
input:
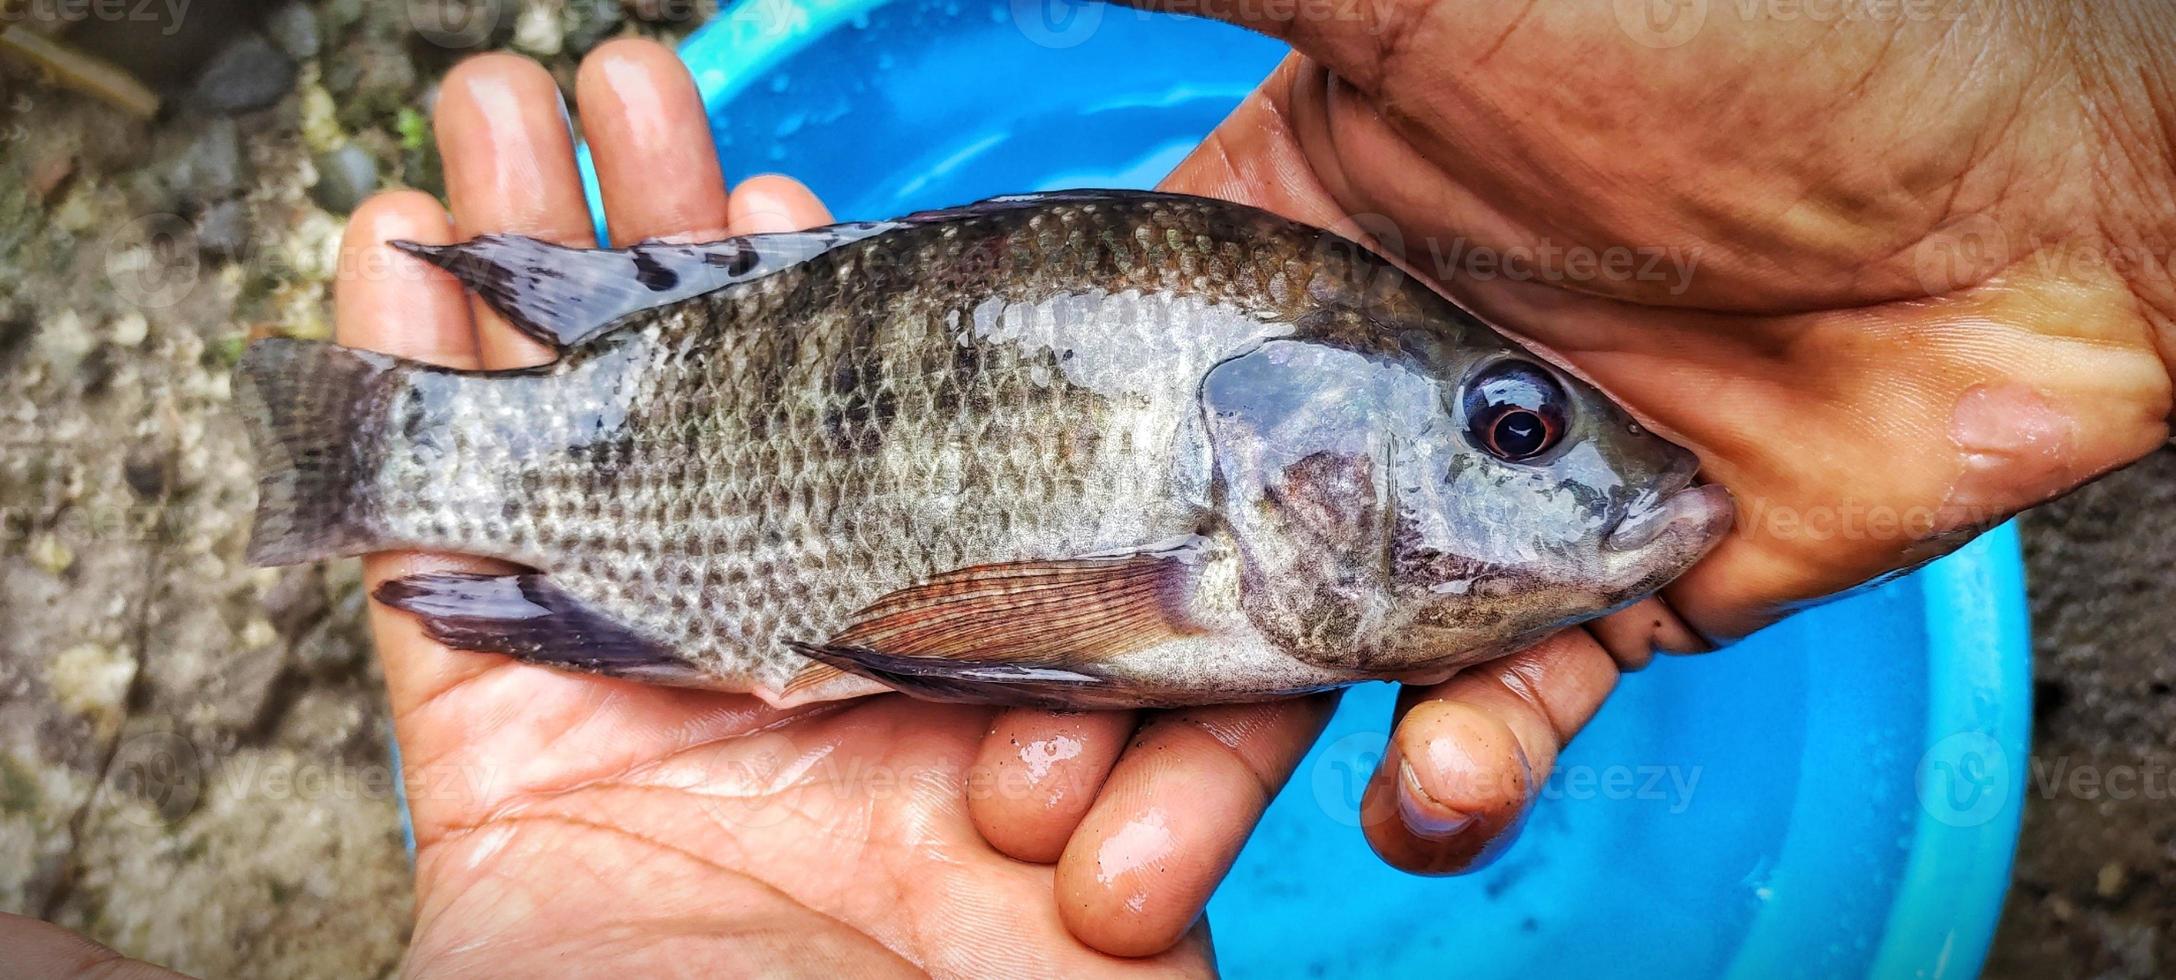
(306, 404)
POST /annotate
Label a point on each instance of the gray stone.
(211, 166)
(294, 29)
(223, 230)
(345, 177)
(249, 73)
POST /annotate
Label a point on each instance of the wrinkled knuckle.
(1525, 679)
(1215, 744)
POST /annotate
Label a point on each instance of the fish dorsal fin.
(1038, 199)
(990, 625)
(567, 296)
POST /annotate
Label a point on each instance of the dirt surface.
(193, 756)
(193, 753)
(2094, 893)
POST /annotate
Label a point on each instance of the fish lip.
(1707, 510)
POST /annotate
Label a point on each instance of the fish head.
(1426, 503)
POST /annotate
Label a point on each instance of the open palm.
(568, 823)
(1873, 273)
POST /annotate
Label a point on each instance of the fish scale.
(1004, 413)
(809, 556)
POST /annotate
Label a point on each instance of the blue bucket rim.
(1979, 676)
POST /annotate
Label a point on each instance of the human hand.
(1893, 281)
(568, 823)
(44, 951)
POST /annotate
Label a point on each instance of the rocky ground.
(180, 732)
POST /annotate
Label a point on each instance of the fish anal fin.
(529, 618)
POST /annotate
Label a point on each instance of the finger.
(1255, 157)
(509, 162)
(650, 141)
(1172, 817)
(768, 203)
(387, 300)
(43, 950)
(1356, 40)
(1468, 755)
(1038, 773)
(1634, 635)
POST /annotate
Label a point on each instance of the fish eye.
(1514, 410)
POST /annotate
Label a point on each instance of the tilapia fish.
(1083, 448)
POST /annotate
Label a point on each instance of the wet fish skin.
(1087, 448)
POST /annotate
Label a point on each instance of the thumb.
(1350, 37)
(1365, 41)
(1864, 440)
(44, 950)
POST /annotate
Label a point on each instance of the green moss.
(414, 129)
(18, 792)
(225, 352)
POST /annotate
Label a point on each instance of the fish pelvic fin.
(528, 617)
(1033, 632)
(305, 404)
(970, 681)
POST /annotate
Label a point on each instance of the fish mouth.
(1698, 514)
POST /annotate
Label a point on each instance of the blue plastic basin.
(1838, 795)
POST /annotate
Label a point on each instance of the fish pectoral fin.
(1016, 632)
(566, 297)
(527, 617)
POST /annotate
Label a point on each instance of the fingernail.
(1425, 817)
